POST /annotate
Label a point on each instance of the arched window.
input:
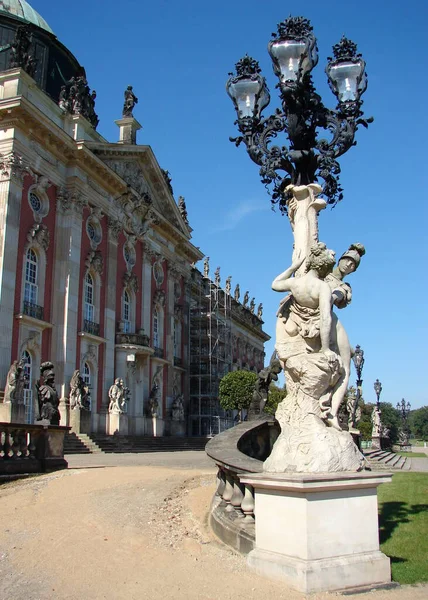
(28, 394)
(31, 274)
(89, 299)
(126, 312)
(156, 328)
(86, 376)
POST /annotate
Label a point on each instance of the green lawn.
(403, 526)
(413, 454)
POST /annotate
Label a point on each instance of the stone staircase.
(97, 442)
(80, 444)
(384, 460)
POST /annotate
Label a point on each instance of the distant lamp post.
(378, 389)
(404, 432)
(358, 360)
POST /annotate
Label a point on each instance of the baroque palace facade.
(96, 261)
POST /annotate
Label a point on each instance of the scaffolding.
(210, 355)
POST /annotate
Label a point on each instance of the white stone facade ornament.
(130, 281)
(39, 236)
(158, 272)
(177, 408)
(376, 422)
(114, 227)
(95, 261)
(93, 227)
(13, 165)
(159, 298)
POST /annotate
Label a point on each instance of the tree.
(236, 390)
(275, 396)
(418, 421)
(390, 418)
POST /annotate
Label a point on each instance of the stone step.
(139, 444)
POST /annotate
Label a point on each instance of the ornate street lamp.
(358, 360)
(378, 389)
(404, 409)
(293, 51)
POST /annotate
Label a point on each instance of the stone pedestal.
(5, 412)
(80, 420)
(118, 424)
(178, 428)
(376, 443)
(318, 532)
(128, 127)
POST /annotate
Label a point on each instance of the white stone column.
(110, 321)
(65, 287)
(10, 212)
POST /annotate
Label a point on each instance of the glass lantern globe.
(249, 94)
(348, 79)
(292, 58)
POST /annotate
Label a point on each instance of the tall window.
(89, 298)
(126, 312)
(86, 376)
(177, 338)
(28, 394)
(31, 267)
(156, 328)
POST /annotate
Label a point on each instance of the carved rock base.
(307, 445)
(318, 533)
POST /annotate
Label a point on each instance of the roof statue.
(130, 101)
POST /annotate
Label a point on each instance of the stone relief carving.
(13, 165)
(91, 356)
(39, 235)
(95, 261)
(130, 281)
(159, 298)
(177, 408)
(114, 227)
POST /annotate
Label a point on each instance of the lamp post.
(293, 50)
(358, 360)
(378, 389)
(404, 432)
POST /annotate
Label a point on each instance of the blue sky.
(177, 55)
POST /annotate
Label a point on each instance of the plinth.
(376, 443)
(318, 532)
(117, 424)
(178, 428)
(80, 420)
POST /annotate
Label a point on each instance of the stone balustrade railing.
(236, 451)
(31, 448)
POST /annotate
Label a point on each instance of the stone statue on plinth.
(47, 396)
(376, 422)
(153, 401)
(237, 293)
(130, 101)
(119, 397)
(13, 392)
(311, 439)
(79, 393)
(177, 409)
(261, 389)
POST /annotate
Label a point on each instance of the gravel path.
(128, 532)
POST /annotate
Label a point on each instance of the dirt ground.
(134, 532)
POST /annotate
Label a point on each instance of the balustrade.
(31, 448)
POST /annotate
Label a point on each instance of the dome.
(20, 9)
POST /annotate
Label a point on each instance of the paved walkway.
(116, 527)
